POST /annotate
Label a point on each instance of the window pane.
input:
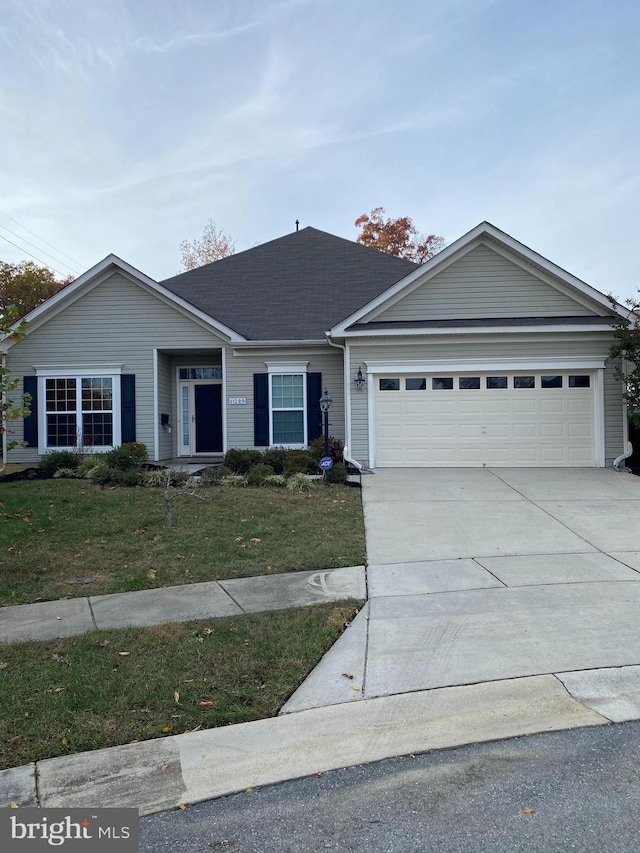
(200, 373)
(287, 391)
(97, 430)
(288, 428)
(186, 438)
(496, 381)
(442, 383)
(61, 431)
(97, 394)
(389, 384)
(551, 381)
(469, 382)
(524, 381)
(579, 382)
(61, 395)
(416, 384)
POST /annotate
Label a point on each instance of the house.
(486, 355)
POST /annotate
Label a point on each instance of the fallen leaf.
(255, 540)
(528, 811)
(164, 767)
(176, 696)
(355, 687)
(103, 643)
(124, 654)
(196, 729)
(248, 790)
(166, 729)
(205, 703)
(13, 805)
(411, 755)
(151, 574)
(64, 741)
(3, 664)
(139, 531)
(26, 520)
(59, 618)
(319, 773)
(348, 675)
(181, 806)
(208, 631)
(157, 537)
(13, 740)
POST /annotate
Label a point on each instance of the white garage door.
(498, 419)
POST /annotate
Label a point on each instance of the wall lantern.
(359, 380)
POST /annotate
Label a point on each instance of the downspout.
(628, 447)
(347, 404)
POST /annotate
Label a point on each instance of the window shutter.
(30, 423)
(128, 406)
(314, 413)
(261, 409)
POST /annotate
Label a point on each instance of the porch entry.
(200, 406)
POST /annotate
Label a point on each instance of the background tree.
(10, 409)
(397, 237)
(627, 348)
(215, 244)
(26, 285)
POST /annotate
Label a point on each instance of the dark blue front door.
(208, 402)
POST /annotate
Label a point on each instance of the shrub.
(299, 483)
(89, 463)
(241, 460)
(300, 462)
(127, 457)
(276, 456)
(234, 480)
(337, 475)
(336, 446)
(276, 481)
(68, 473)
(213, 476)
(258, 474)
(56, 459)
(156, 478)
(116, 477)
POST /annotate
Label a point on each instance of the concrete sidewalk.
(48, 620)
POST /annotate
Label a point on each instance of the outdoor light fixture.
(325, 405)
(359, 380)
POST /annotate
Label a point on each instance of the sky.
(125, 125)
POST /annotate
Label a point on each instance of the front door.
(208, 418)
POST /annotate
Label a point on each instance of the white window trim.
(78, 375)
(291, 368)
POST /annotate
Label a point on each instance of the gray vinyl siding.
(483, 284)
(165, 405)
(241, 366)
(117, 322)
(509, 347)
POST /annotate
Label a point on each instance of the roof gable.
(485, 275)
(292, 288)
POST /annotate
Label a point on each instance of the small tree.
(627, 348)
(10, 409)
(396, 237)
(25, 285)
(215, 244)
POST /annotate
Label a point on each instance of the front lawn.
(111, 687)
(52, 531)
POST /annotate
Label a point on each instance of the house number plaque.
(237, 401)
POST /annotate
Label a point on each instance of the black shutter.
(30, 423)
(128, 406)
(261, 409)
(314, 413)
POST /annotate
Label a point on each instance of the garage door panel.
(497, 426)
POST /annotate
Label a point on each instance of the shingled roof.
(292, 288)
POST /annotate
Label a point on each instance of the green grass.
(77, 694)
(54, 530)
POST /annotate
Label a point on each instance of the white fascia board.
(98, 273)
(399, 365)
(474, 330)
(243, 344)
(465, 242)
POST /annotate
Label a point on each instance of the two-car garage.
(523, 417)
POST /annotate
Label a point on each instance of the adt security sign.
(325, 463)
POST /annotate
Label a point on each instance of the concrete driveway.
(490, 575)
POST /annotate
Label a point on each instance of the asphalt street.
(576, 790)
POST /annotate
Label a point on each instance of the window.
(469, 383)
(524, 381)
(200, 373)
(496, 381)
(416, 384)
(579, 382)
(439, 383)
(389, 384)
(80, 411)
(551, 381)
(288, 409)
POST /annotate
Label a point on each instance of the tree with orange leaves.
(397, 237)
